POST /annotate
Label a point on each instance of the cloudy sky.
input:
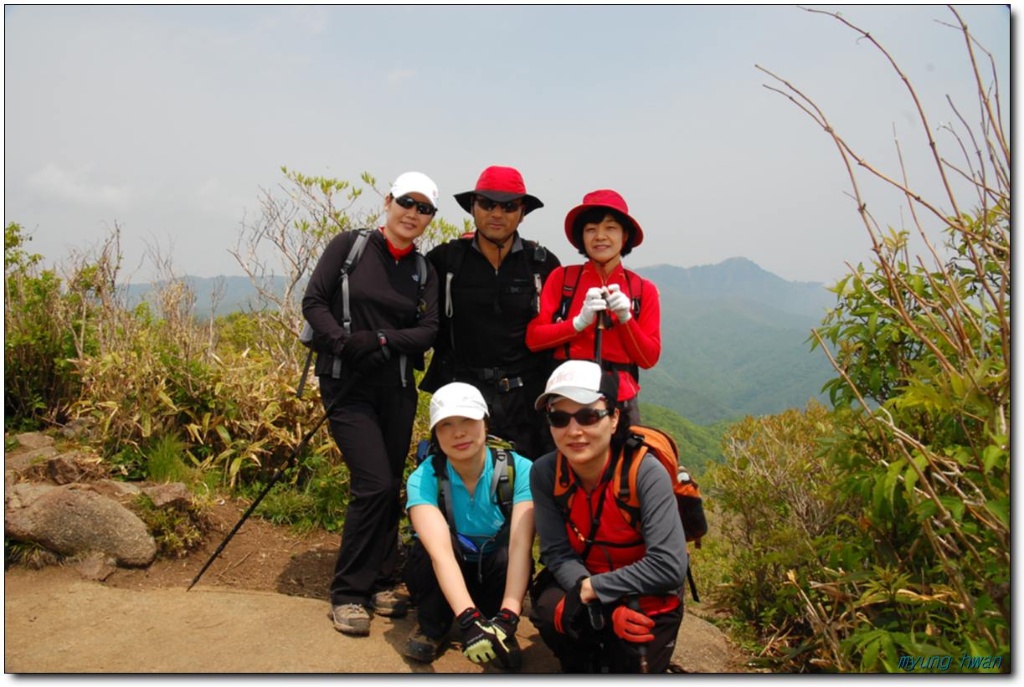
(169, 120)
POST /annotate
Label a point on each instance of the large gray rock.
(71, 520)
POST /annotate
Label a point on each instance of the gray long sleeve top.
(662, 569)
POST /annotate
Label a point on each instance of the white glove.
(593, 303)
(619, 304)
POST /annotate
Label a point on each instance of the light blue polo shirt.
(478, 517)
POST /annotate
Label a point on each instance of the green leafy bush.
(921, 347)
(39, 380)
(776, 510)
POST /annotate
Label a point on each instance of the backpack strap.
(362, 236)
(421, 282)
(540, 256)
(444, 489)
(454, 265)
(341, 285)
(573, 272)
(503, 481)
(635, 292)
(346, 312)
(624, 479)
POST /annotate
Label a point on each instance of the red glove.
(632, 626)
(569, 611)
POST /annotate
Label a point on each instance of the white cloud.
(75, 186)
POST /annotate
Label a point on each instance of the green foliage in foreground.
(850, 538)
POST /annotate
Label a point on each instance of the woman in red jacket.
(601, 293)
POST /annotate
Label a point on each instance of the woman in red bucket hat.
(578, 300)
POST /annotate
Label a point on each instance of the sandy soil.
(260, 608)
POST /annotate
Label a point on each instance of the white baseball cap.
(457, 399)
(582, 381)
(415, 182)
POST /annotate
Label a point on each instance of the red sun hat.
(604, 198)
(500, 184)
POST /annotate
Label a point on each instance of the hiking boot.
(420, 647)
(389, 604)
(351, 619)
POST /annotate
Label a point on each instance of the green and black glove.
(505, 644)
(478, 636)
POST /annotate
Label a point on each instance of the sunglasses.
(509, 206)
(584, 417)
(422, 208)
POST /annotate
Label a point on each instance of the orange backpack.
(645, 440)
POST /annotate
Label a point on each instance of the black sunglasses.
(422, 208)
(509, 206)
(584, 417)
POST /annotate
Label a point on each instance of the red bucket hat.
(500, 184)
(605, 198)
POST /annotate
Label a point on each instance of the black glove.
(477, 636)
(373, 360)
(358, 345)
(505, 643)
(570, 613)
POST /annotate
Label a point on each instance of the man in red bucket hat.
(490, 286)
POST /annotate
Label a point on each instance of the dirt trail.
(56, 622)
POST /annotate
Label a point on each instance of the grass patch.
(28, 554)
(165, 460)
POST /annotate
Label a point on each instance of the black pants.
(513, 416)
(598, 651)
(486, 584)
(631, 410)
(372, 427)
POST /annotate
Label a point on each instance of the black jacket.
(490, 309)
(383, 295)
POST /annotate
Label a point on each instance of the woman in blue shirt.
(469, 561)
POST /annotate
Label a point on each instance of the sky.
(169, 122)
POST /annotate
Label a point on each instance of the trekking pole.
(633, 602)
(274, 478)
(603, 322)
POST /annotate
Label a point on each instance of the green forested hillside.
(735, 342)
(698, 444)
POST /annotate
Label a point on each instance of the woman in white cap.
(609, 596)
(470, 506)
(378, 331)
(578, 300)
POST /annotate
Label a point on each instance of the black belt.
(503, 379)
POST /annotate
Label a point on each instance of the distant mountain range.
(735, 341)
(734, 337)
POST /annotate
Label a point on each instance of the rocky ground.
(260, 608)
